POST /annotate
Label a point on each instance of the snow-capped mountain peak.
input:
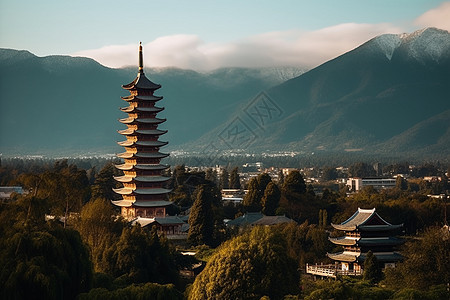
(421, 45)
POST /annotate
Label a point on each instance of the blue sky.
(209, 34)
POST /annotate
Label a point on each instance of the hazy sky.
(209, 34)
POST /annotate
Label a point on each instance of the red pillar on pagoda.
(143, 192)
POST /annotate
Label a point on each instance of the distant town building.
(144, 195)
(356, 184)
(7, 191)
(257, 218)
(234, 196)
(171, 226)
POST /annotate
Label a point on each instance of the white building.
(356, 184)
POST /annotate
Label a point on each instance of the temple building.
(143, 192)
(365, 231)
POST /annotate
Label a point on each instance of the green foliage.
(427, 262)
(323, 218)
(248, 267)
(271, 199)
(224, 179)
(343, 290)
(305, 243)
(100, 229)
(372, 269)
(294, 186)
(37, 259)
(256, 189)
(201, 219)
(434, 292)
(104, 183)
(361, 169)
(251, 201)
(141, 256)
(234, 179)
(150, 291)
(329, 174)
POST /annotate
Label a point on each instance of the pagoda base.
(143, 212)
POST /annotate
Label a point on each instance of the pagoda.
(143, 192)
(366, 231)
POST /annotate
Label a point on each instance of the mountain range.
(389, 95)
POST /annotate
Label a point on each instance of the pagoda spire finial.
(141, 60)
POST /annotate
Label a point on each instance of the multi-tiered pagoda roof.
(143, 192)
(366, 231)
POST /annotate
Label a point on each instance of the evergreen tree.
(324, 218)
(104, 183)
(263, 181)
(294, 186)
(39, 259)
(224, 179)
(211, 175)
(280, 178)
(372, 270)
(201, 219)
(252, 200)
(235, 183)
(329, 174)
(401, 183)
(271, 199)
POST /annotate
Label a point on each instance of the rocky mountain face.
(391, 94)
(60, 105)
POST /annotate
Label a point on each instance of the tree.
(99, 229)
(323, 218)
(427, 261)
(39, 259)
(251, 201)
(256, 188)
(329, 174)
(234, 179)
(201, 219)
(224, 180)
(294, 186)
(401, 183)
(141, 256)
(271, 199)
(211, 175)
(248, 267)
(280, 178)
(104, 183)
(372, 269)
(361, 169)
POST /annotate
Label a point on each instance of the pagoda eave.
(142, 178)
(343, 227)
(341, 256)
(142, 97)
(142, 120)
(157, 155)
(154, 167)
(133, 132)
(143, 191)
(142, 143)
(131, 109)
(343, 241)
(141, 82)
